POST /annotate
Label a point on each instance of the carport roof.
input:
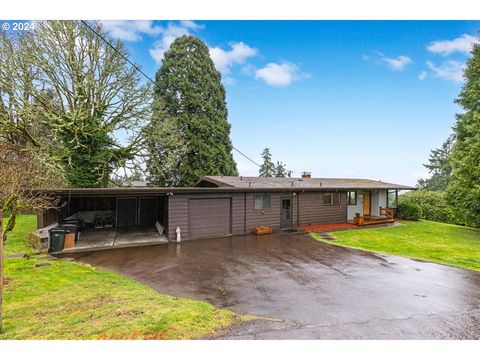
(251, 182)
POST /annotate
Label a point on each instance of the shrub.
(409, 211)
(433, 204)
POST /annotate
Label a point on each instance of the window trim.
(331, 199)
(348, 197)
(396, 199)
(262, 196)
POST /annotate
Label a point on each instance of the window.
(328, 199)
(352, 197)
(392, 198)
(263, 202)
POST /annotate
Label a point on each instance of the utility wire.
(155, 84)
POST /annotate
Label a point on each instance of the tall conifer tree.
(190, 99)
(464, 188)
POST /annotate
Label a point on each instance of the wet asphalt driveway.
(318, 291)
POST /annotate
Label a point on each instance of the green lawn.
(68, 300)
(425, 240)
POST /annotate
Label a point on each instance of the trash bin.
(78, 222)
(57, 238)
(72, 228)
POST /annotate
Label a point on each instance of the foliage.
(439, 165)
(409, 211)
(69, 300)
(464, 189)
(267, 168)
(433, 204)
(190, 102)
(270, 169)
(69, 94)
(281, 170)
(166, 146)
(424, 240)
(20, 174)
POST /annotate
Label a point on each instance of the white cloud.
(169, 34)
(422, 75)
(461, 44)
(279, 75)
(133, 31)
(398, 63)
(224, 59)
(191, 25)
(449, 70)
(130, 30)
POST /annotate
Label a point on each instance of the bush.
(433, 204)
(409, 211)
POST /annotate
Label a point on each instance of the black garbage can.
(57, 238)
(78, 222)
(71, 227)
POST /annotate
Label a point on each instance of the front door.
(366, 203)
(286, 213)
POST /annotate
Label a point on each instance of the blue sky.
(366, 99)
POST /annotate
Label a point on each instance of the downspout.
(244, 213)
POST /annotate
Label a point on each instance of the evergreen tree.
(281, 170)
(190, 104)
(464, 188)
(268, 167)
(439, 165)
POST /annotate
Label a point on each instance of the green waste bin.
(57, 238)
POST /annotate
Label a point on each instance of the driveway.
(308, 289)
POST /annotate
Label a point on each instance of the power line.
(155, 84)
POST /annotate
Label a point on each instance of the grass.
(424, 240)
(17, 241)
(69, 300)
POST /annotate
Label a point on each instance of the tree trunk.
(1, 271)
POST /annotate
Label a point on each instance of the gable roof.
(255, 182)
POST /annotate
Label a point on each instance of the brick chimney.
(306, 175)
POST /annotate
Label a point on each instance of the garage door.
(209, 217)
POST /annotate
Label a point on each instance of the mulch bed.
(329, 227)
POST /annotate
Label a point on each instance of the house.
(226, 205)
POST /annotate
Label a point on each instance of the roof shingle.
(300, 183)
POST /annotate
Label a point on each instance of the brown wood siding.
(47, 217)
(178, 212)
(209, 217)
(312, 210)
(267, 217)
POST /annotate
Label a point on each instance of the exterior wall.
(266, 217)
(312, 210)
(382, 198)
(178, 212)
(378, 199)
(47, 217)
(352, 209)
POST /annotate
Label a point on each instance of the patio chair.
(108, 221)
(98, 222)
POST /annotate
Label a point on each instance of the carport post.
(1, 271)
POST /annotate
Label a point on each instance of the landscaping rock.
(14, 256)
(42, 264)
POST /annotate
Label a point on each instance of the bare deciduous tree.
(20, 175)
